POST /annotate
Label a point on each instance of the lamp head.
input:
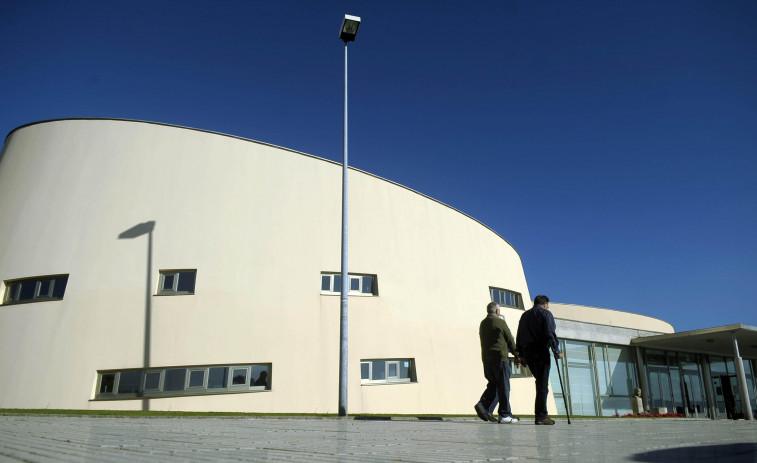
(349, 28)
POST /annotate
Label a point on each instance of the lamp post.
(347, 34)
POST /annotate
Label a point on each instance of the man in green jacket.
(495, 340)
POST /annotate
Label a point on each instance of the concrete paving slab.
(54, 438)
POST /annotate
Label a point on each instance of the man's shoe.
(483, 413)
(545, 422)
(508, 420)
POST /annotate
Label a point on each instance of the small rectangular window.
(379, 370)
(175, 379)
(405, 369)
(392, 370)
(218, 377)
(197, 378)
(260, 376)
(59, 287)
(177, 282)
(168, 279)
(35, 289)
(26, 292)
(337, 287)
(383, 371)
(239, 377)
(129, 382)
(186, 284)
(366, 286)
(359, 285)
(44, 288)
(107, 382)
(12, 292)
(506, 298)
(152, 381)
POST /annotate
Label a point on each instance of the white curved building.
(147, 266)
(260, 226)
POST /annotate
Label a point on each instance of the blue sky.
(611, 142)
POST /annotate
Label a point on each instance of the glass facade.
(617, 379)
(582, 383)
(677, 381)
(599, 379)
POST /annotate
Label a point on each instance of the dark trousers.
(497, 388)
(539, 363)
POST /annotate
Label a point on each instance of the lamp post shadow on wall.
(347, 34)
(136, 231)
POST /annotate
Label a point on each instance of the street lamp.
(349, 28)
(347, 34)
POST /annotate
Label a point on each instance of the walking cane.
(565, 399)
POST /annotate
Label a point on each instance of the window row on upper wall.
(359, 285)
(35, 289)
(182, 381)
(52, 287)
(182, 282)
(173, 282)
(506, 298)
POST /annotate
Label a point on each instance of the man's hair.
(492, 307)
(541, 300)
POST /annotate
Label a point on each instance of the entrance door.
(738, 407)
(727, 397)
(659, 387)
(695, 402)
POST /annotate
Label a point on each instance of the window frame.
(254, 379)
(186, 390)
(244, 383)
(204, 384)
(176, 275)
(161, 374)
(56, 281)
(396, 379)
(183, 382)
(225, 377)
(335, 288)
(518, 297)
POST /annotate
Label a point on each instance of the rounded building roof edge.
(45, 121)
(613, 310)
(443, 204)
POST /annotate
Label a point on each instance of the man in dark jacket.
(495, 340)
(536, 336)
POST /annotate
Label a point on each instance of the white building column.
(741, 376)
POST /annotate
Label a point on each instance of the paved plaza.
(51, 438)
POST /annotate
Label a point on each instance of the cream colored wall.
(259, 224)
(609, 317)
